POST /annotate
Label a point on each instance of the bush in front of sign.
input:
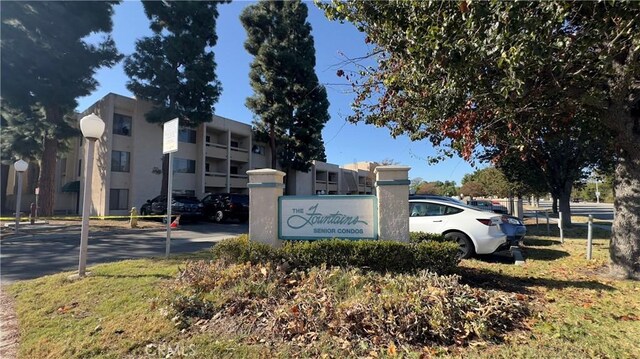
(381, 255)
(439, 257)
(377, 255)
(241, 250)
(416, 237)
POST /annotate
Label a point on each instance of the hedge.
(377, 255)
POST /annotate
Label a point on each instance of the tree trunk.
(289, 188)
(625, 234)
(565, 206)
(47, 177)
(272, 145)
(554, 203)
(165, 174)
(4, 178)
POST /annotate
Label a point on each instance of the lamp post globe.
(92, 128)
(20, 166)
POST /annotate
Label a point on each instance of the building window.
(119, 199)
(119, 161)
(258, 149)
(233, 170)
(187, 135)
(181, 165)
(235, 143)
(207, 167)
(121, 124)
(208, 139)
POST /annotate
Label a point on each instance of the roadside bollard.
(133, 221)
(589, 236)
(546, 214)
(560, 226)
(32, 214)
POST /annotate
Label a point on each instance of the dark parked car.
(188, 207)
(489, 206)
(219, 207)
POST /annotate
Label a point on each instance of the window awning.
(73, 186)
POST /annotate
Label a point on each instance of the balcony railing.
(239, 154)
(215, 179)
(239, 181)
(216, 150)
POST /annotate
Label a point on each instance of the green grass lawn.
(120, 310)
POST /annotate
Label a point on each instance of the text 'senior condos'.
(214, 157)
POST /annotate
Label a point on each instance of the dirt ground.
(9, 334)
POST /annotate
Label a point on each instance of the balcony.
(216, 151)
(321, 186)
(215, 179)
(239, 181)
(239, 154)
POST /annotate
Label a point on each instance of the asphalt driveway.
(27, 256)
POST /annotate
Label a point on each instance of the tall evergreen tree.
(47, 63)
(290, 106)
(175, 67)
(22, 136)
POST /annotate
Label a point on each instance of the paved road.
(603, 211)
(33, 255)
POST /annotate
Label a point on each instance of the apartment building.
(327, 178)
(214, 157)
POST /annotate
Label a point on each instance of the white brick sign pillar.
(265, 186)
(392, 190)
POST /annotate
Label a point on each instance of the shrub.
(439, 257)
(241, 249)
(378, 255)
(417, 237)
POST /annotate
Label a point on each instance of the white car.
(474, 230)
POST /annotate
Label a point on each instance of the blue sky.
(344, 142)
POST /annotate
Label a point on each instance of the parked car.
(188, 207)
(474, 230)
(492, 206)
(514, 228)
(219, 207)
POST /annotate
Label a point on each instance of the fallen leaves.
(387, 311)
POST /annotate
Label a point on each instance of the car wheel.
(218, 217)
(466, 246)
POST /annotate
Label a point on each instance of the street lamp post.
(92, 128)
(20, 166)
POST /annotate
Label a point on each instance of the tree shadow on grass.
(486, 279)
(537, 242)
(543, 254)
